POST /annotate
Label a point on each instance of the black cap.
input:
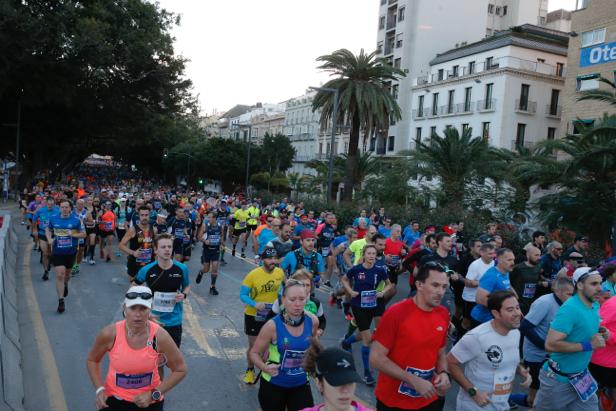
(581, 237)
(337, 367)
(269, 252)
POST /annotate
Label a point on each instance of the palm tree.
(456, 160)
(608, 96)
(365, 102)
(295, 182)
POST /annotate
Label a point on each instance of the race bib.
(242, 224)
(108, 225)
(64, 242)
(406, 389)
(325, 251)
(529, 290)
(584, 384)
(394, 260)
(179, 233)
(368, 299)
(144, 255)
(502, 387)
(262, 315)
(163, 302)
(214, 240)
(292, 362)
(133, 382)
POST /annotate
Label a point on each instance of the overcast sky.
(248, 51)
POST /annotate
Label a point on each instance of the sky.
(249, 51)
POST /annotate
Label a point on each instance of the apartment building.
(412, 32)
(592, 54)
(507, 88)
(301, 126)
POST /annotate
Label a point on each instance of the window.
(417, 136)
(588, 82)
(397, 63)
(485, 130)
(498, 11)
(401, 11)
(554, 102)
(465, 127)
(390, 143)
(435, 104)
(432, 131)
(455, 71)
(504, 10)
(542, 61)
(491, 8)
(383, 2)
(467, 99)
(581, 4)
(320, 148)
(394, 91)
(471, 67)
(592, 37)
(488, 96)
(560, 69)
(372, 143)
(541, 21)
(420, 106)
(399, 37)
(379, 47)
(551, 133)
(381, 22)
(441, 74)
(450, 101)
(519, 137)
(489, 62)
(524, 91)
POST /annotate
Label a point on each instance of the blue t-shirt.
(43, 215)
(409, 236)
(356, 221)
(62, 227)
(289, 263)
(265, 236)
(365, 281)
(606, 286)
(492, 280)
(550, 266)
(580, 323)
(385, 231)
(541, 314)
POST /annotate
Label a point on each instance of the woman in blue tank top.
(286, 337)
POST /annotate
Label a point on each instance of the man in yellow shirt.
(240, 228)
(259, 291)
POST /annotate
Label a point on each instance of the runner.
(326, 233)
(408, 347)
(361, 283)
(222, 217)
(63, 231)
(160, 225)
(475, 271)
(574, 333)
(179, 227)
(169, 281)
(137, 243)
(81, 213)
(339, 246)
(491, 357)
(353, 253)
(258, 292)
(394, 252)
(134, 346)
(283, 243)
(41, 219)
(90, 224)
(305, 256)
(241, 217)
(284, 383)
(106, 229)
(122, 213)
(211, 234)
(525, 278)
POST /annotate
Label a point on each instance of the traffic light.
(200, 181)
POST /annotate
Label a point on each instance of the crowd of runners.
(478, 314)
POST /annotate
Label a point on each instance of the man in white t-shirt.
(476, 270)
(491, 356)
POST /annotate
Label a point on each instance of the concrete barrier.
(11, 379)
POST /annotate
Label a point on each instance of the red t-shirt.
(393, 247)
(413, 337)
(361, 232)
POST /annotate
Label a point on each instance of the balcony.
(391, 24)
(485, 106)
(525, 107)
(553, 111)
(526, 144)
(419, 114)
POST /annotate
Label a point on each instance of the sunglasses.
(438, 266)
(134, 295)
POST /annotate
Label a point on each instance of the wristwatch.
(472, 391)
(156, 395)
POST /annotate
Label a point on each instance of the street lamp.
(248, 153)
(166, 154)
(330, 169)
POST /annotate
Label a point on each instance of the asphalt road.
(55, 346)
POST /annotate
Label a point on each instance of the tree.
(608, 96)
(365, 102)
(456, 160)
(277, 152)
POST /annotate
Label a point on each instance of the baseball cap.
(337, 367)
(583, 272)
(269, 252)
(138, 295)
(306, 234)
(581, 237)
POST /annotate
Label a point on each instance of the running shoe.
(61, 306)
(346, 346)
(45, 276)
(199, 277)
(233, 252)
(332, 300)
(349, 317)
(249, 376)
(327, 283)
(223, 262)
(213, 290)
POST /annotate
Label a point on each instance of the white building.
(507, 88)
(412, 32)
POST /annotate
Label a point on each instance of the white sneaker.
(91, 262)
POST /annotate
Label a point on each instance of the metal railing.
(526, 107)
(553, 111)
(419, 114)
(486, 105)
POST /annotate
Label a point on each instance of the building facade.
(592, 54)
(412, 32)
(507, 88)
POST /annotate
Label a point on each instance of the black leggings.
(121, 405)
(275, 398)
(433, 406)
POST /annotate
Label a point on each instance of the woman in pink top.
(134, 346)
(603, 362)
(336, 378)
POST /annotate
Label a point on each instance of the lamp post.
(166, 154)
(249, 139)
(330, 169)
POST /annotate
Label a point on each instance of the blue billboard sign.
(599, 54)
